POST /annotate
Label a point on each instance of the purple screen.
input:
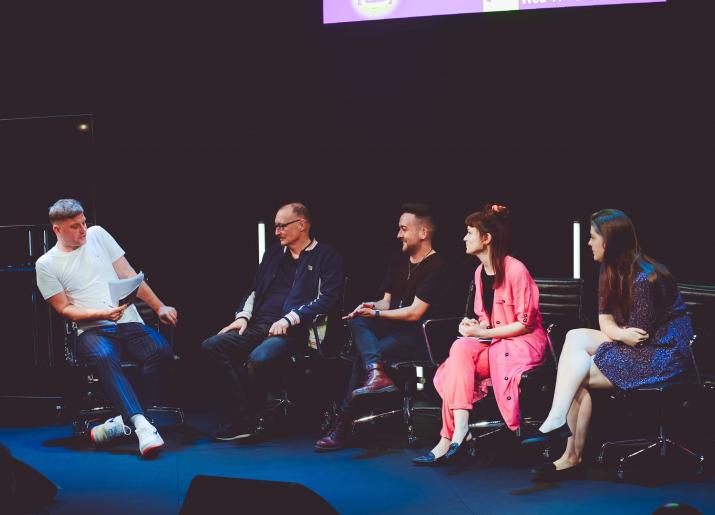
(337, 11)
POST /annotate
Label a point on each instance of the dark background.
(208, 116)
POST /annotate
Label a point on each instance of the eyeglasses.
(281, 227)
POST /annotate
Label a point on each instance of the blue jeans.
(247, 363)
(104, 346)
(382, 341)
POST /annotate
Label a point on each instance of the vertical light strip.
(420, 375)
(29, 240)
(577, 249)
(261, 240)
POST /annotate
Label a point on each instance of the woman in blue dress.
(643, 339)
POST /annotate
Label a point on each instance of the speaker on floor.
(223, 495)
(22, 488)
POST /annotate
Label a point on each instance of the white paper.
(123, 291)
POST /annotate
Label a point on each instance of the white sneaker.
(149, 439)
(111, 429)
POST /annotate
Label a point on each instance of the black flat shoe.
(554, 434)
(458, 450)
(455, 449)
(428, 459)
(547, 472)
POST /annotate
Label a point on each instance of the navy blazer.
(317, 286)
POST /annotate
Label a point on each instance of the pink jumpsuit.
(472, 366)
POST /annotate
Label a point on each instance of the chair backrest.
(561, 306)
(700, 302)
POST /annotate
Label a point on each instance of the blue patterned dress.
(658, 309)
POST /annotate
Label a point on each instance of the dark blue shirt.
(317, 283)
(271, 308)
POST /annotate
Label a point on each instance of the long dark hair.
(493, 219)
(622, 261)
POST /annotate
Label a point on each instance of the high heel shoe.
(428, 459)
(458, 450)
(540, 437)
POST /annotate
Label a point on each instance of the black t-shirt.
(271, 307)
(426, 280)
(487, 292)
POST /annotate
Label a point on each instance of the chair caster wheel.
(621, 474)
(546, 453)
(600, 460)
(413, 441)
(700, 469)
(79, 428)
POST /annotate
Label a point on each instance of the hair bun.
(498, 209)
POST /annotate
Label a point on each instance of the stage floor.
(369, 478)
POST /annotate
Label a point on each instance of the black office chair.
(86, 404)
(437, 350)
(324, 333)
(437, 334)
(561, 306)
(665, 398)
(561, 302)
(300, 367)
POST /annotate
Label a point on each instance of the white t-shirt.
(83, 275)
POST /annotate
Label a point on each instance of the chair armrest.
(436, 332)
(316, 332)
(412, 364)
(696, 369)
(549, 330)
(70, 342)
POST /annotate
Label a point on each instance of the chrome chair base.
(87, 418)
(407, 412)
(662, 445)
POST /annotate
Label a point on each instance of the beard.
(408, 249)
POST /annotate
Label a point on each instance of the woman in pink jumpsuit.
(507, 307)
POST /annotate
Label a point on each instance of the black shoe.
(458, 450)
(428, 459)
(547, 472)
(554, 434)
(234, 431)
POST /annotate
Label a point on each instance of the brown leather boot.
(338, 435)
(377, 381)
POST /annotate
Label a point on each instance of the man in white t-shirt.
(73, 277)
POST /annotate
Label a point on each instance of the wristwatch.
(377, 313)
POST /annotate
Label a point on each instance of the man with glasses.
(296, 280)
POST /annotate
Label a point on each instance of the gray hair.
(299, 210)
(65, 208)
